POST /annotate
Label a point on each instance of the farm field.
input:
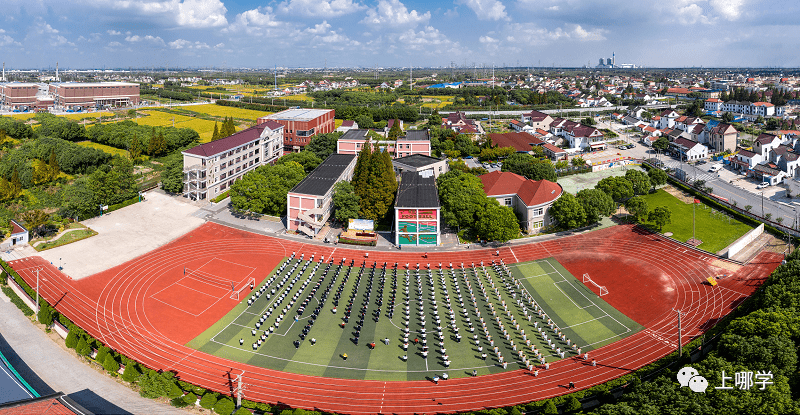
(221, 111)
(105, 148)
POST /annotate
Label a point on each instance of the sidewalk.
(49, 368)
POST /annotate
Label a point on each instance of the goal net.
(236, 294)
(603, 290)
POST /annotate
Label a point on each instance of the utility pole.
(239, 389)
(680, 334)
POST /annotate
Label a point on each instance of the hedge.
(346, 240)
(208, 401)
(17, 301)
(123, 204)
(224, 406)
(221, 196)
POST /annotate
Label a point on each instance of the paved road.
(48, 368)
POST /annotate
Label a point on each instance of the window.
(538, 224)
(538, 212)
(507, 202)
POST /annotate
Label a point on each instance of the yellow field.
(296, 97)
(220, 111)
(437, 101)
(107, 149)
(71, 116)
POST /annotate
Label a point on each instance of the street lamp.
(680, 334)
(762, 204)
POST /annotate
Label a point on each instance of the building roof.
(765, 138)
(16, 228)
(786, 152)
(347, 123)
(536, 116)
(355, 135)
(520, 141)
(532, 193)
(417, 191)
(763, 104)
(723, 128)
(417, 135)
(684, 142)
(554, 149)
(322, 179)
(416, 160)
(94, 84)
(746, 153)
(52, 404)
(298, 114)
(766, 168)
(233, 141)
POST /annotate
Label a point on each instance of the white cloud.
(6, 40)
(219, 45)
(114, 44)
(486, 9)
(487, 39)
(690, 14)
(729, 9)
(320, 8)
(113, 32)
(520, 33)
(393, 13)
(428, 40)
(187, 44)
(146, 39)
(201, 13)
(182, 13)
(254, 21)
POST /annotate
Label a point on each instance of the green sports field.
(582, 316)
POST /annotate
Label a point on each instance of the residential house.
(688, 150)
(537, 120)
(722, 137)
(531, 200)
(744, 160)
(521, 142)
(713, 105)
(764, 143)
(553, 152)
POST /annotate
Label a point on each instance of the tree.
(661, 144)
(16, 184)
(657, 177)
(434, 121)
(208, 401)
(72, 339)
(637, 206)
(496, 222)
(661, 216)
(573, 405)
(154, 385)
(596, 204)
(345, 201)
(568, 212)
(462, 198)
(263, 190)
(83, 347)
(550, 408)
(727, 117)
(172, 176)
(157, 145)
(110, 364)
(53, 169)
(639, 181)
(34, 220)
(529, 167)
(395, 131)
(324, 145)
(578, 161)
(215, 135)
(617, 187)
(45, 314)
(131, 374)
(308, 160)
(78, 200)
(224, 407)
(589, 121)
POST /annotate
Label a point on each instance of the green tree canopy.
(324, 145)
(530, 167)
(639, 181)
(345, 201)
(496, 222)
(462, 198)
(637, 206)
(661, 216)
(308, 160)
(657, 177)
(596, 204)
(618, 188)
(568, 212)
(263, 190)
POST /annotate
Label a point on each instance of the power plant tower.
(613, 59)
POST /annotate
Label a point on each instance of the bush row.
(123, 204)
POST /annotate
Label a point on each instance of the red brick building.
(94, 94)
(18, 95)
(301, 124)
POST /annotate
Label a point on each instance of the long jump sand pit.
(126, 234)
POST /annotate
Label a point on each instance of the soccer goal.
(603, 290)
(249, 285)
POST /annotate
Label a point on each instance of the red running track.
(134, 308)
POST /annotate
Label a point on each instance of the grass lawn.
(105, 148)
(714, 228)
(69, 237)
(584, 318)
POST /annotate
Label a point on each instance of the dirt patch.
(732, 267)
(677, 193)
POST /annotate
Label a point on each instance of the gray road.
(48, 368)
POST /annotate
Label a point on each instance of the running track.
(646, 275)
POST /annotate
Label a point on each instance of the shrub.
(102, 352)
(174, 391)
(243, 411)
(190, 398)
(152, 385)
(83, 347)
(224, 406)
(208, 401)
(573, 405)
(17, 301)
(550, 408)
(72, 339)
(110, 364)
(131, 374)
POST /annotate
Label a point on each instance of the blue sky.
(351, 33)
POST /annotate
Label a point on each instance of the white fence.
(743, 241)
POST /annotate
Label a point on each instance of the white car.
(715, 168)
(762, 185)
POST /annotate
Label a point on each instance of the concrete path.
(49, 368)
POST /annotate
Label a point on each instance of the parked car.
(762, 185)
(715, 168)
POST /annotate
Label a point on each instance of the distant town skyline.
(397, 33)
